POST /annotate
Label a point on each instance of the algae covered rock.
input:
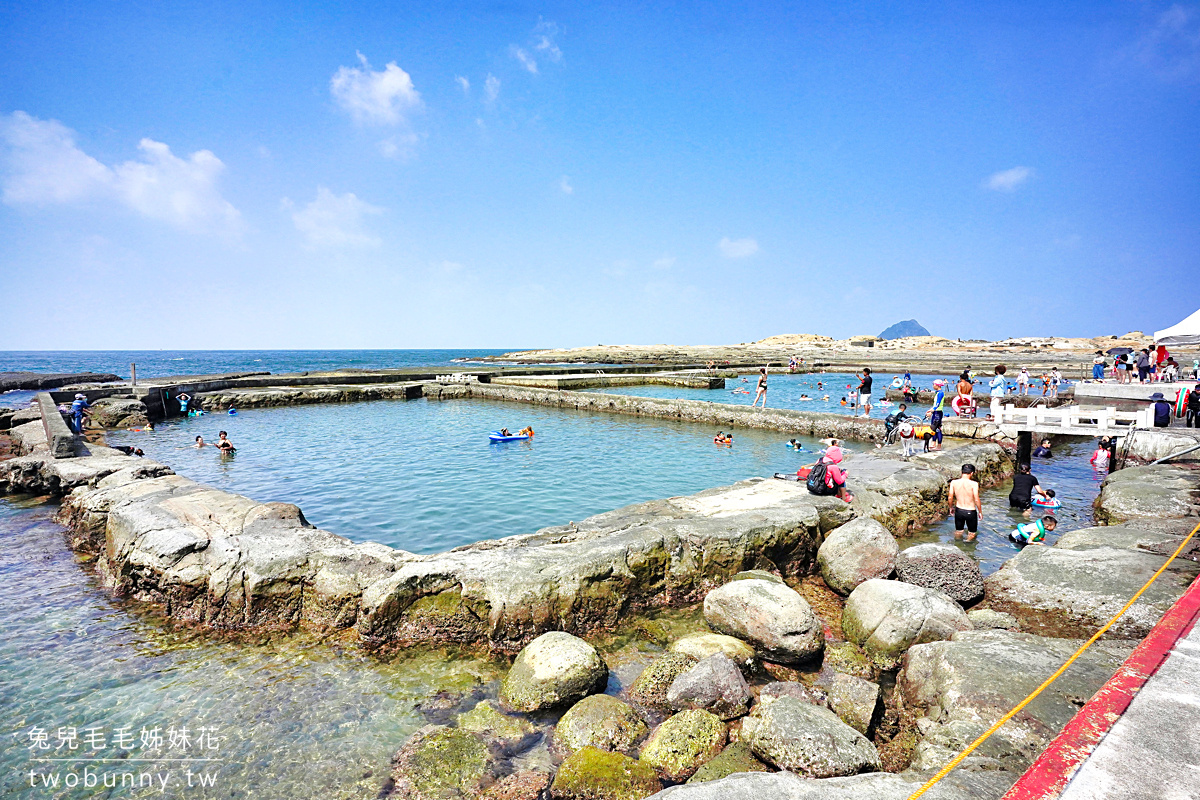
(554, 669)
(888, 617)
(943, 567)
(811, 741)
(115, 412)
(440, 763)
(849, 658)
(650, 688)
(599, 721)
(703, 645)
(854, 700)
(986, 619)
(592, 774)
(524, 785)
(683, 743)
(773, 691)
(773, 618)
(857, 551)
(735, 758)
(487, 721)
(715, 684)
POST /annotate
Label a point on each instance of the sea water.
(423, 476)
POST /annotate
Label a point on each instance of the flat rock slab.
(960, 687)
(10, 381)
(1164, 492)
(958, 785)
(1074, 589)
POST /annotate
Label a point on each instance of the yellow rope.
(971, 747)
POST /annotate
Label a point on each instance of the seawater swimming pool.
(422, 475)
(785, 391)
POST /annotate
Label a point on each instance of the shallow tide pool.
(423, 476)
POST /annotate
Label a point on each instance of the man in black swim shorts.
(964, 501)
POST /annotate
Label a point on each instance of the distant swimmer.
(723, 438)
(795, 445)
(200, 442)
(526, 431)
(223, 444)
(964, 503)
(805, 397)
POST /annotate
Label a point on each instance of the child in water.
(1033, 532)
(1099, 459)
(843, 401)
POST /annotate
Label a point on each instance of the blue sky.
(253, 175)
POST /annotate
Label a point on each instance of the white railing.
(1098, 420)
(456, 377)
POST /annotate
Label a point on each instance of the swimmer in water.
(527, 431)
(843, 401)
(200, 442)
(805, 397)
(223, 444)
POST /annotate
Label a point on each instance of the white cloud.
(402, 146)
(491, 88)
(335, 220)
(44, 166)
(463, 83)
(666, 262)
(1008, 180)
(526, 60)
(564, 183)
(375, 98)
(737, 248)
(544, 35)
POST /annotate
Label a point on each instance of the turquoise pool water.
(423, 476)
(1068, 473)
(785, 391)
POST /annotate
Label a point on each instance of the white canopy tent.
(1183, 333)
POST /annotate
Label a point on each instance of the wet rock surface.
(553, 670)
(650, 688)
(888, 617)
(737, 757)
(811, 740)
(855, 552)
(943, 567)
(715, 684)
(113, 412)
(854, 700)
(497, 729)
(1163, 492)
(703, 645)
(771, 617)
(961, 686)
(440, 763)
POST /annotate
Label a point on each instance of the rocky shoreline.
(726, 712)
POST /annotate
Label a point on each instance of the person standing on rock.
(762, 388)
(1023, 381)
(864, 391)
(999, 388)
(965, 505)
(78, 408)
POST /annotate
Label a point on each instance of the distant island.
(909, 327)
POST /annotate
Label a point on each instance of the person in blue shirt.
(77, 410)
(1162, 411)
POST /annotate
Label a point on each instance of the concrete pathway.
(1153, 750)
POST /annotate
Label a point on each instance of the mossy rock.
(684, 743)
(486, 720)
(593, 774)
(848, 658)
(757, 575)
(442, 763)
(733, 759)
(553, 670)
(650, 688)
(703, 645)
(602, 722)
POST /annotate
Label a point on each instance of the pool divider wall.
(223, 561)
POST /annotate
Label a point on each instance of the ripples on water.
(423, 476)
(296, 718)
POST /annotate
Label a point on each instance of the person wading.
(964, 503)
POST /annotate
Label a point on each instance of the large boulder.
(1162, 492)
(116, 412)
(715, 684)
(1073, 590)
(811, 741)
(684, 743)
(554, 669)
(958, 785)
(773, 618)
(857, 551)
(440, 763)
(592, 774)
(943, 567)
(959, 688)
(599, 721)
(650, 688)
(888, 617)
(703, 645)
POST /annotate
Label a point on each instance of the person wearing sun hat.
(77, 409)
(1162, 410)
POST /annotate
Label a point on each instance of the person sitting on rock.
(1033, 532)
